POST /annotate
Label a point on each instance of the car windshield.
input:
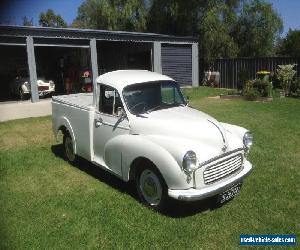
(148, 97)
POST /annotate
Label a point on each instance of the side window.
(109, 101)
(169, 95)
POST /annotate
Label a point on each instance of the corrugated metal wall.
(177, 62)
(229, 68)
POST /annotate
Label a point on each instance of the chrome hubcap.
(150, 187)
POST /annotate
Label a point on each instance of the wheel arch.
(138, 161)
(139, 149)
(65, 127)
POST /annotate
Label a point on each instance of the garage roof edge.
(12, 30)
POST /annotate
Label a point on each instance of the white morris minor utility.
(138, 126)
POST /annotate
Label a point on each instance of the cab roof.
(121, 78)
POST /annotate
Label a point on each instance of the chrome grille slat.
(230, 166)
(222, 174)
(223, 166)
(220, 164)
(222, 169)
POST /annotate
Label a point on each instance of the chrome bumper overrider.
(193, 194)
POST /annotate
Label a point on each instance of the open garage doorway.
(13, 65)
(115, 55)
(68, 67)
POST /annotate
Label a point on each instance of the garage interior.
(64, 56)
(55, 63)
(116, 55)
(13, 58)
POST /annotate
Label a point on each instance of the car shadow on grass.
(176, 209)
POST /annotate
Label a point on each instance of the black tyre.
(151, 187)
(69, 148)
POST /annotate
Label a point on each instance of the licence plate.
(229, 193)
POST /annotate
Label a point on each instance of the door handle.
(98, 122)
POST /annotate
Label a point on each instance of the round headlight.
(248, 140)
(189, 162)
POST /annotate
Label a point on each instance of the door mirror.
(121, 113)
(187, 99)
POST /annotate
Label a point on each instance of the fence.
(230, 68)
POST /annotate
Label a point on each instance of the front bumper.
(46, 92)
(193, 194)
(50, 90)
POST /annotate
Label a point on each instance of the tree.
(257, 29)
(290, 45)
(112, 15)
(211, 21)
(50, 19)
(214, 33)
(27, 21)
(174, 17)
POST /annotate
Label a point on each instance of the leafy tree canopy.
(211, 21)
(125, 15)
(257, 29)
(225, 28)
(290, 45)
(50, 19)
(215, 33)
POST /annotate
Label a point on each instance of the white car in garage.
(20, 86)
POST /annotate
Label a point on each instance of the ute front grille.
(222, 169)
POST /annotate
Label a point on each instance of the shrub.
(285, 74)
(252, 94)
(264, 87)
(247, 86)
(261, 86)
(257, 88)
(295, 86)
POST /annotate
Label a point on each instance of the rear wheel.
(69, 148)
(151, 187)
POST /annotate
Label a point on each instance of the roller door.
(177, 62)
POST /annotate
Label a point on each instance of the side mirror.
(187, 99)
(121, 113)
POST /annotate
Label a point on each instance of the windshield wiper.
(155, 108)
(165, 106)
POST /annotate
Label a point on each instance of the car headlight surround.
(189, 162)
(248, 140)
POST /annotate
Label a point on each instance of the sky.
(14, 10)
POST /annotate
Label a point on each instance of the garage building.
(49, 52)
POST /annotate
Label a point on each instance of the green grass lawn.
(47, 203)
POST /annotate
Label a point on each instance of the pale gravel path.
(24, 109)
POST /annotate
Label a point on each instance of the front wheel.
(68, 148)
(151, 188)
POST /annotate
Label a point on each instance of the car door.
(108, 126)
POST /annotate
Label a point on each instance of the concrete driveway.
(24, 109)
